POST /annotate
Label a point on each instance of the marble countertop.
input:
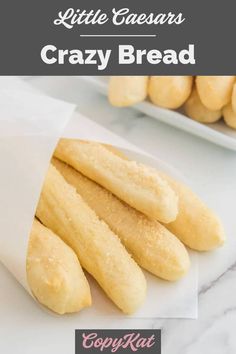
(212, 172)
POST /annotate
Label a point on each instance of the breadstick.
(196, 225)
(169, 91)
(127, 90)
(99, 250)
(151, 244)
(130, 181)
(234, 98)
(215, 91)
(115, 151)
(54, 273)
(197, 111)
(229, 116)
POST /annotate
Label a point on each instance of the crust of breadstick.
(54, 273)
(233, 100)
(151, 244)
(215, 91)
(169, 91)
(99, 250)
(196, 110)
(196, 225)
(130, 181)
(116, 151)
(229, 116)
(125, 91)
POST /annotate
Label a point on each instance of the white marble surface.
(212, 172)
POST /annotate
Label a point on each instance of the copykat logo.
(118, 341)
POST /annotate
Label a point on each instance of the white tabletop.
(212, 172)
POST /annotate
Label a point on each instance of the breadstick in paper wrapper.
(99, 250)
(132, 182)
(151, 244)
(54, 272)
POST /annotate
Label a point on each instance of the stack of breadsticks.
(205, 98)
(101, 212)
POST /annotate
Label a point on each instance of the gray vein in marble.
(205, 288)
(130, 124)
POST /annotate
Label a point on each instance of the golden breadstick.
(197, 111)
(151, 244)
(196, 225)
(115, 151)
(229, 116)
(54, 272)
(234, 98)
(99, 250)
(127, 90)
(215, 91)
(130, 181)
(169, 91)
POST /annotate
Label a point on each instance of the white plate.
(217, 133)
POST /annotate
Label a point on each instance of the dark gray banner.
(107, 37)
(118, 341)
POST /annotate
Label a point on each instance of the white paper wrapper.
(30, 126)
